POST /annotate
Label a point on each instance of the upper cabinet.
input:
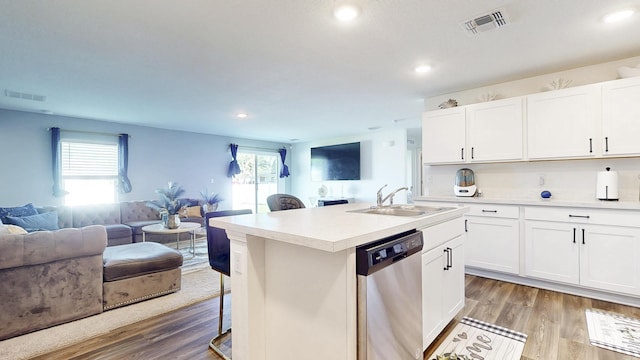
(490, 131)
(590, 121)
(494, 130)
(621, 117)
(443, 136)
(562, 123)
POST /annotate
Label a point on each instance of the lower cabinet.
(442, 287)
(493, 238)
(595, 256)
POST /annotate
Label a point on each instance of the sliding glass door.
(257, 180)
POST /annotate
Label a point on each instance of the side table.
(184, 227)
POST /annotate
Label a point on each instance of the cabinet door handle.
(446, 252)
(472, 153)
(583, 243)
(465, 225)
(590, 145)
(462, 153)
(489, 211)
(450, 258)
(574, 235)
(579, 216)
(606, 144)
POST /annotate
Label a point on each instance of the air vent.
(24, 96)
(486, 22)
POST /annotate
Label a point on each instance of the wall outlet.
(541, 180)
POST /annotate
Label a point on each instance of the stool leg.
(212, 344)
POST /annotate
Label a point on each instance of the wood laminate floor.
(554, 322)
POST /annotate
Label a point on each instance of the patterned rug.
(480, 340)
(193, 260)
(614, 332)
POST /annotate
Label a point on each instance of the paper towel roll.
(607, 185)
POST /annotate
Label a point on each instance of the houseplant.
(211, 201)
(168, 204)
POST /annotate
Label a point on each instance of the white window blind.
(89, 160)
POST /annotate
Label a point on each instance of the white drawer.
(440, 233)
(584, 216)
(490, 210)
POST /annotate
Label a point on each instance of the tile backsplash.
(570, 180)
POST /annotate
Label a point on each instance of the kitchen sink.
(402, 210)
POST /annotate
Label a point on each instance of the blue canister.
(545, 194)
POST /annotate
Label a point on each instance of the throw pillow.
(44, 221)
(18, 211)
(11, 230)
(194, 211)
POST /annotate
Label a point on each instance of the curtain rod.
(89, 132)
(242, 147)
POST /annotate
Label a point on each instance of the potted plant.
(168, 204)
(211, 201)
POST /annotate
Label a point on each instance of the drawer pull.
(590, 145)
(583, 243)
(574, 235)
(462, 153)
(472, 157)
(606, 144)
(489, 211)
(465, 225)
(579, 216)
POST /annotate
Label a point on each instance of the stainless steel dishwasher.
(389, 273)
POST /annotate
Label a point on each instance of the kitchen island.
(293, 277)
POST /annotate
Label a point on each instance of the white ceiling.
(298, 72)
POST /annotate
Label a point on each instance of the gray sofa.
(50, 277)
(123, 221)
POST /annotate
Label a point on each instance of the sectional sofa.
(123, 221)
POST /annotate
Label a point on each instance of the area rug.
(197, 286)
(480, 340)
(193, 260)
(614, 332)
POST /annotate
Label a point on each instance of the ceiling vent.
(486, 22)
(24, 96)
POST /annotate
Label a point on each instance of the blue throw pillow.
(18, 211)
(44, 221)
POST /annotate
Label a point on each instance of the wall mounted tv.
(336, 162)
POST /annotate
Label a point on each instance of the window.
(90, 171)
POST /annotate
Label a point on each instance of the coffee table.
(184, 227)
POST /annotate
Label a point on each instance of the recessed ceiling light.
(617, 16)
(346, 13)
(374, 128)
(422, 69)
(242, 115)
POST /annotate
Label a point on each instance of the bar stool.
(218, 247)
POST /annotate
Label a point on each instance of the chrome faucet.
(379, 195)
(381, 201)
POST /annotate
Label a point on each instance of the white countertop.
(596, 204)
(329, 228)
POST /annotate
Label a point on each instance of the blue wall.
(156, 156)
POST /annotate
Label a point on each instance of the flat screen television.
(336, 162)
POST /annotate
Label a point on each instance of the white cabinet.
(562, 123)
(494, 130)
(484, 132)
(442, 287)
(493, 238)
(577, 247)
(621, 117)
(443, 136)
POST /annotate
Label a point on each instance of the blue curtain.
(123, 164)
(285, 169)
(56, 163)
(234, 168)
